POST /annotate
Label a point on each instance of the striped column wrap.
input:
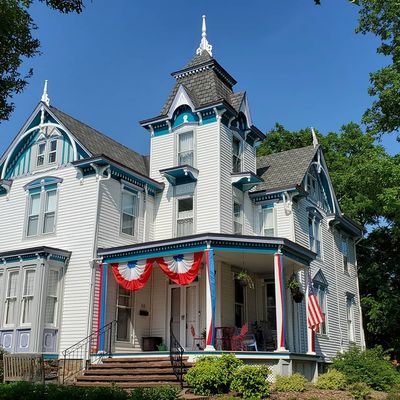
(282, 322)
(210, 297)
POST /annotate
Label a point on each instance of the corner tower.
(203, 147)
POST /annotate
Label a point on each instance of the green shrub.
(332, 380)
(359, 390)
(212, 375)
(370, 367)
(166, 392)
(394, 393)
(250, 381)
(292, 383)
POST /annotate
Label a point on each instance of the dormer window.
(236, 155)
(185, 149)
(46, 152)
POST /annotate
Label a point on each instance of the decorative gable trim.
(181, 98)
(319, 278)
(245, 109)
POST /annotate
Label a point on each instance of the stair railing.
(87, 351)
(176, 355)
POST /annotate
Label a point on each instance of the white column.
(280, 302)
(210, 300)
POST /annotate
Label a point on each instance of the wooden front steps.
(129, 373)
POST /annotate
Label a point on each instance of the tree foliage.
(17, 44)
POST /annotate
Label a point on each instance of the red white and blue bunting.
(133, 275)
(181, 269)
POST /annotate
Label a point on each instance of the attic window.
(46, 152)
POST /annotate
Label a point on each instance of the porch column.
(210, 299)
(102, 306)
(310, 332)
(280, 302)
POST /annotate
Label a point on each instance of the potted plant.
(294, 286)
(245, 279)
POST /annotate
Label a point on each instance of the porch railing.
(87, 351)
(176, 356)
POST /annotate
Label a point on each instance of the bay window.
(27, 296)
(185, 149)
(50, 314)
(129, 212)
(185, 217)
(11, 298)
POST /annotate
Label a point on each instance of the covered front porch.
(207, 309)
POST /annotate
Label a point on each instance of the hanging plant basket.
(297, 296)
(244, 279)
(294, 286)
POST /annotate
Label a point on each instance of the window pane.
(186, 158)
(52, 283)
(51, 200)
(49, 316)
(236, 147)
(185, 227)
(185, 142)
(11, 300)
(51, 299)
(34, 207)
(185, 207)
(12, 284)
(10, 311)
(53, 145)
(49, 222)
(41, 148)
(29, 282)
(128, 224)
(128, 203)
(33, 223)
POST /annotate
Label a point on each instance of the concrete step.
(136, 359)
(129, 371)
(127, 385)
(116, 364)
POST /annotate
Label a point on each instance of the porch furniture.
(250, 341)
(238, 342)
(23, 367)
(224, 336)
(199, 343)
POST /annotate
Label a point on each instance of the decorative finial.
(204, 45)
(45, 98)
(314, 138)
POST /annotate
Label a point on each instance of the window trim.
(269, 208)
(320, 287)
(178, 135)
(55, 324)
(344, 240)
(25, 271)
(10, 271)
(234, 221)
(43, 193)
(313, 247)
(134, 192)
(178, 199)
(351, 333)
(49, 151)
(131, 319)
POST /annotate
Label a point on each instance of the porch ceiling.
(258, 263)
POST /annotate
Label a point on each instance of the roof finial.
(314, 138)
(204, 45)
(45, 98)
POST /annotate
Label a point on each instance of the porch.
(200, 312)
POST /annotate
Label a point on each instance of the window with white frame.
(124, 314)
(321, 294)
(345, 253)
(46, 152)
(42, 209)
(267, 223)
(237, 219)
(314, 233)
(11, 298)
(236, 155)
(50, 314)
(185, 149)
(27, 296)
(129, 212)
(350, 317)
(184, 218)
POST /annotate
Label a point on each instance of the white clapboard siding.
(207, 191)
(75, 228)
(283, 221)
(109, 227)
(162, 156)
(248, 215)
(159, 303)
(249, 158)
(225, 180)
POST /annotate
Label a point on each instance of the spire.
(314, 138)
(204, 45)
(45, 98)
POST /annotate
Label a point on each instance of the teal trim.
(267, 206)
(29, 159)
(69, 149)
(36, 190)
(63, 153)
(190, 118)
(245, 249)
(81, 153)
(161, 132)
(23, 165)
(153, 254)
(50, 356)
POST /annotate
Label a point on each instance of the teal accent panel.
(162, 131)
(268, 206)
(209, 119)
(63, 153)
(81, 153)
(68, 152)
(29, 160)
(185, 117)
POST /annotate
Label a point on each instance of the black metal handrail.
(87, 351)
(176, 355)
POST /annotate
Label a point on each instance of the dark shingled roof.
(97, 143)
(206, 86)
(236, 100)
(285, 169)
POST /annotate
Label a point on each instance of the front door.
(124, 315)
(184, 311)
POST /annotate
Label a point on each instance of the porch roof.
(217, 241)
(34, 252)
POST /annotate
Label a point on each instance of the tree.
(17, 43)
(355, 164)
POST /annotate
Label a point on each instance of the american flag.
(315, 316)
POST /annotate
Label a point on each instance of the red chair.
(238, 342)
(199, 343)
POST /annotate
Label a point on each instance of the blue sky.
(301, 65)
